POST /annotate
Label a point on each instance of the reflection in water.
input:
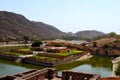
(87, 68)
(97, 65)
(9, 67)
(6, 69)
(104, 72)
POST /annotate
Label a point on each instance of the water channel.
(96, 66)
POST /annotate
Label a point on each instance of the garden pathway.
(84, 57)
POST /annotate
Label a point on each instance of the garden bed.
(44, 59)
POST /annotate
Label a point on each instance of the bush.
(36, 43)
(117, 72)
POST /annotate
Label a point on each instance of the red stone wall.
(68, 75)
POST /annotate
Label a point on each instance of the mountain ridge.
(15, 26)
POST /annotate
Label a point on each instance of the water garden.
(104, 67)
(66, 59)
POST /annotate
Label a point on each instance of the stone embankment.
(87, 56)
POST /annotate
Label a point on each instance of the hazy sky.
(69, 15)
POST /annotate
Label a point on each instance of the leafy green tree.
(112, 34)
(26, 38)
(36, 43)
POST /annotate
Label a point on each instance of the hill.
(89, 34)
(15, 26)
(109, 47)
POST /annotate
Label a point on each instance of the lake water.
(6, 69)
(95, 65)
(10, 68)
(105, 72)
(86, 68)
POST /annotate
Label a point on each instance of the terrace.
(51, 54)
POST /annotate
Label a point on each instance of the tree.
(112, 34)
(36, 43)
(26, 38)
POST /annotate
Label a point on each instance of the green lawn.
(69, 53)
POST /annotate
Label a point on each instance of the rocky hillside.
(105, 47)
(15, 26)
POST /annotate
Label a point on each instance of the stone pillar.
(51, 73)
(65, 75)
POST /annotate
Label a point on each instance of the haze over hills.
(89, 34)
(15, 26)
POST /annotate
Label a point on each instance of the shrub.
(36, 43)
(117, 72)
